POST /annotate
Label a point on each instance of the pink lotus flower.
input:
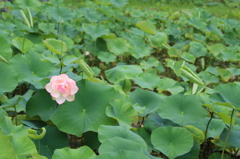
(62, 88)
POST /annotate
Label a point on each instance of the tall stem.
(225, 142)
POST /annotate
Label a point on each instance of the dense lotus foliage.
(107, 81)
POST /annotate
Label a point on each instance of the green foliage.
(151, 83)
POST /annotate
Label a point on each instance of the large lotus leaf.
(233, 137)
(107, 57)
(227, 93)
(147, 80)
(172, 141)
(24, 4)
(215, 127)
(208, 78)
(145, 134)
(140, 51)
(197, 22)
(108, 132)
(82, 152)
(122, 72)
(117, 144)
(224, 74)
(147, 99)
(15, 148)
(118, 3)
(154, 121)
(91, 15)
(229, 55)
(47, 28)
(122, 155)
(95, 31)
(41, 104)
(30, 68)
(87, 111)
(118, 46)
(215, 49)
(22, 44)
(60, 13)
(217, 155)
(8, 128)
(149, 63)
(181, 109)
(159, 39)
(193, 153)
(8, 78)
(188, 57)
(53, 139)
(6, 51)
(123, 112)
(147, 27)
(197, 49)
(56, 46)
(168, 84)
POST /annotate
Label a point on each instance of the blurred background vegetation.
(220, 8)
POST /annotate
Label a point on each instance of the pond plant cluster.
(107, 81)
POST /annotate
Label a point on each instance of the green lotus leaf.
(215, 49)
(119, 3)
(15, 148)
(233, 137)
(8, 78)
(117, 144)
(7, 128)
(47, 27)
(197, 49)
(60, 13)
(188, 57)
(87, 111)
(41, 104)
(197, 22)
(154, 121)
(118, 46)
(108, 132)
(22, 44)
(208, 78)
(224, 74)
(82, 152)
(149, 63)
(56, 46)
(172, 141)
(217, 155)
(123, 112)
(227, 93)
(24, 4)
(140, 51)
(147, 80)
(181, 108)
(30, 68)
(53, 139)
(122, 72)
(193, 153)
(95, 31)
(148, 99)
(197, 134)
(6, 51)
(107, 57)
(147, 27)
(159, 39)
(122, 154)
(168, 84)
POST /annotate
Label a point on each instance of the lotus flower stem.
(225, 143)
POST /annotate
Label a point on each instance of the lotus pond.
(104, 81)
